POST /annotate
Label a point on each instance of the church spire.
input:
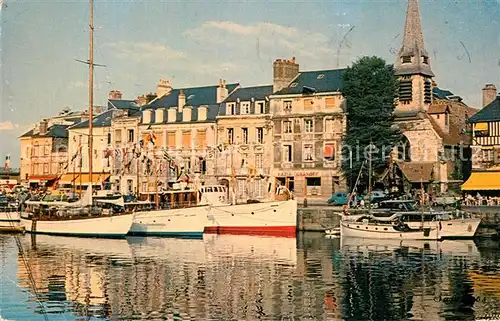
(412, 57)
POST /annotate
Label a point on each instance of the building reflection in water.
(249, 278)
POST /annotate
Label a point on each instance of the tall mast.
(91, 87)
(370, 178)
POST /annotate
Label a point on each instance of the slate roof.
(246, 94)
(490, 112)
(100, 120)
(315, 82)
(441, 93)
(122, 104)
(195, 97)
(54, 131)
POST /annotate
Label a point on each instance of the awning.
(83, 178)
(482, 181)
(40, 178)
(481, 126)
(69, 178)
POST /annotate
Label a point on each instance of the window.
(259, 188)
(187, 164)
(230, 136)
(313, 181)
(260, 135)
(259, 107)
(45, 168)
(186, 140)
(329, 125)
(287, 127)
(109, 138)
(313, 185)
(171, 140)
(287, 153)
(242, 186)
(329, 102)
(320, 76)
(118, 136)
(245, 108)
(406, 59)
(244, 135)
(287, 106)
(308, 153)
(130, 136)
(425, 60)
(438, 116)
(329, 152)
(28, 152)
(202, 139)
(259, 161)
(130, 185)
(308, 104)
(46, 150)
(488, 155)
(308, 126)
(244, 160)
(230, 108)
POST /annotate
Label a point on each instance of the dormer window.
(230, 108)
(245, 108)
(406, 59)
(320, 76)
(259, 107)
(425, 60)
(293, 85)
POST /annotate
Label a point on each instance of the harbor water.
(223, 277)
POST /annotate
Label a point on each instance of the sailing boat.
(77, 218)
(367, 225)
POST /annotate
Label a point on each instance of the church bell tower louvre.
(413, 68)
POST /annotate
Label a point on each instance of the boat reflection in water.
(236, 277)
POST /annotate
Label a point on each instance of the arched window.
(403, 148)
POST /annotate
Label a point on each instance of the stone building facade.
(179, 124)
(308, 115)
(244, 138)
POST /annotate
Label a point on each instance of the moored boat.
(271, 218)
(9, 216)
(79, 218)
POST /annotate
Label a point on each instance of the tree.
(370, 89)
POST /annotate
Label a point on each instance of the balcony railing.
(226, 171)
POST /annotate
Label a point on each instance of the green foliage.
(370, 88)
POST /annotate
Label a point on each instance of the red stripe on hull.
(282, 231)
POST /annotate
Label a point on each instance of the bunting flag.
(152, 138)
(251, 171)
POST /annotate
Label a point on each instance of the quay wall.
(320, 218)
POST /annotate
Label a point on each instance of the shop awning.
(68, 178)
(40, 178)
(83, 178)
(482, 181)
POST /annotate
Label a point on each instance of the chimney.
(489, 94)
(115, 95)
(181, 101)
(222, 91)
(141, 100)
(284, 71)
(150, 97)
(163, 88)
(43, 127)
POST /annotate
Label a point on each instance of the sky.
(195, 43)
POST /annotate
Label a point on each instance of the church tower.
(413, 68)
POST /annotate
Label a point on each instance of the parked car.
(338, 198)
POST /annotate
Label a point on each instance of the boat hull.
(112, 226)
(276, 218)
(10, 222)
(455, 228)
(386, 231)
(182, 222)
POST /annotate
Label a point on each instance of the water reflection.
(251, 278)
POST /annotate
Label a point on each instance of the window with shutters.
(308, 125)
(259, 161)
(118, 136)
(230, 136)
(260, 135)
(287, 153)
(245, 108)
(329, 125)
(202, 139)
(186, 140)
(287, 106)
(171, 140)
(287, 127)
(244, 135)
(308, 153)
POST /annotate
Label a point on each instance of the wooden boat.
(79, 218)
